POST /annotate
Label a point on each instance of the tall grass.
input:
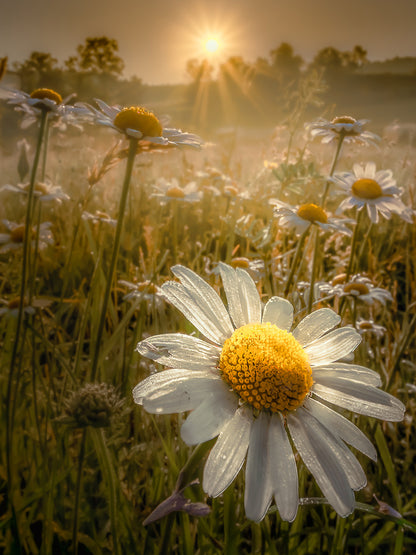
(81, 468)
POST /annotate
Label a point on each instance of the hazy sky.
(157, 37)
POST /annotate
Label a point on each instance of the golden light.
(212, 45)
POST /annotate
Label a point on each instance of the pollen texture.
(41, 94)
(139, 119)
(366, 188)
(267, 367)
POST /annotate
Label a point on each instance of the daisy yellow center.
(340, 278)
(344, 119)
(240, 262)
(41, 94)
(267, 367)
(147, 287)
(360, 288)
(139, 119)
(39, 188)
(312, 213)
(175, 192)
(18, 233)
(367, 188)
(15, 303)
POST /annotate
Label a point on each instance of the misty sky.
(157, 37)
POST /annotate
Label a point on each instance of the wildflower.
(138, 123)
(39, 100)
(359, 287)
(365, 327)
(42, 191)
(255, 385)
(303, 216)
(145, 291)
(13, 239)
(99, 218)
(168, 191)
(347, 127)
(93, 405)
(375, 190)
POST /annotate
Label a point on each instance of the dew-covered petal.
(360, 398)
(283, 470)
(250, 298)
(234, 297)
(340, 426)
(195, 311)
(258, 492)
(206, 299)
(279, 312)
(353, 372)
(209, 418)
(180, 351)
(167, 380)
(333, 346)
(227, 456)
(321, 461)
(315, 325)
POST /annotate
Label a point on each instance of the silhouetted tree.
(285, 64)
(39, 70)
(97, 55)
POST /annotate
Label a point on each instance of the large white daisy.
(138, 123)
(373, 189)
(259, 387)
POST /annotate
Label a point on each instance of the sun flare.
(211, 45)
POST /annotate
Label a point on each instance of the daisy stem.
(116, 246)
(45, 151)
(351, 262)
(25, 267)
(314, 270)
(295, 262)
(334, 164)
(78, 493)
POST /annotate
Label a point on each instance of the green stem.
(25, 267)
(295, 261)
(45, 151)
(314, 270)
(116, 246)
(78, 493)
(351, 262)
(334, 164)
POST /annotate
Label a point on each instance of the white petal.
(232, 290)
(283, 470)
(167, 380)
(360, 398)
(180, 351)
(250, 298)
(279, 312)
(341, 427)
(258, 491)
(333, 346)
(209, 418)
(321, 461)
(228, 454)
(315, 325)
(350, 371)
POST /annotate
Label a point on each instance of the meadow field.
(92, 222)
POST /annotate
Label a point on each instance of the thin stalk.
(25, 268)
(314, 270)
(295, 261)
(45, 151)
(78, 493)
(351, 262)
(122, 207)
(334, 164)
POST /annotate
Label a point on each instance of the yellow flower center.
(312, 213)
(39, 188)
(267, 367)
(139, 119)
(360, 288)
(240, 262)
(148, 287)
(344, 119)
(46, 93)
(18, 233)
(364, 325)
(15, 303)
(367, 188)
(340, 278)
(175, 192)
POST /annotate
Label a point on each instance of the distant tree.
(284, 62)
(199, 70)
(97, 55)
(358, 57)
(39, 70)
(329, 59)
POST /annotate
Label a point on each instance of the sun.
(211, 45)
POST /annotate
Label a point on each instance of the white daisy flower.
(170, 190)
(14, 237)
(11, 308)
(349, 128)
(365, 327)
(138, 123)
(42, 191)
(259, 387)
(303, 216)
(39, 100)
(375, 190)
(359, 287)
